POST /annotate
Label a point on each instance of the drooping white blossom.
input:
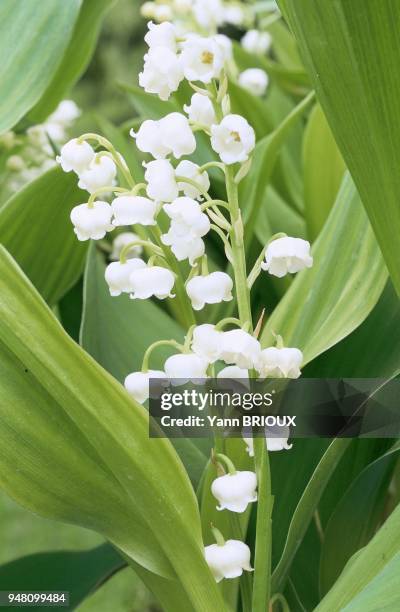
(123, 240)
(130, 209)
(160, 179)
(161, 35)
(91, 222)
(202, 59)
(75, 156)
(206, 342)
(257, 42)
(148, 139)
(277, 362)
(137, 384)
(162, 72)
(209, 289)
(100, 173)
(169, 135)
(151, 280)
(187, 367)
(190, 170)
(200, 110)
(65, 114)
(209, 14)
(235, 491)
(277, 438)
(117, 275)
(234, 15)
(233, 139)
(228, 560)
(287, 255)
(188, 225)
(254, 80)
(240, 348)
(233, 372)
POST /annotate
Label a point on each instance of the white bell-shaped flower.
(137, 384)
(206, 342)
(148, 139)
(188, 225)
(277, 438)
(210, 289)
(240, 348)
(184, 368)
(121, 241)
(65, 114)
(162, 72)
(202, 59)
(151, 280)
(257, 42)
(169, 135)
(277, 362)
(91, 222)
(225, 44)
(234, 15)
(233, 139)
(129, 210)
(209, 14)
(235, 491)
(160, 179)
(228, 560)
(161, 35)
(100, 173)
(200, 110)
(287, 255)
(75, 156)
(118, 274)
(254, 80)
(190, 170)
(233, 372)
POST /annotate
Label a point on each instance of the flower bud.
(235, 491)
(233, 139)
(210, 289)
(200, 110)
(121, 241)
(91, 222)
(256, 42)
(206, 342)
(287, 255)
(160, 179)
(190, 170)
(254, 80)
(162, 72)
(162, 35)
(151, 280)
(137, 384)
(118, 273)
(240, 348)
(228, 560)
(100, 173)
(184, 368)
(129, 210)
(202, 59)
(75, 156)
(280, 362)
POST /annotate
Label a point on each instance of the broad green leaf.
(33, 38)
(35, 227)
(327, 302)
(323, 171)
(352, 53)
(277, 216)
(76, 57)
(78, 572)
(76, 448)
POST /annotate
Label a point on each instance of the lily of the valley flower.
(161, 35)
(228, 560)
(235, 491)
(240, 348)
(100, 173)
(225, 45)
(137, 384)
(169, 135)
(277, 362)
(233, 372)
(123, 240)
(274, 443)
(233, 139)
(209, 14)
(160, 179)
(188, 225)
(151, 280)
(287, 255)
(200, 110)
(183, 368)
(75, 156)
(65, 114)
(206, 342)
(254, 80)
(118, 274)
(257, 42)
(129, 210)
(202, 59)
(91, 222)
(210, 289)
(162, 72)
(190, 170)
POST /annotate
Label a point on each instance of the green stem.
(228, 463)
(147, 355)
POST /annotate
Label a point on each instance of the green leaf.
(76, 57)
(352, 51)
(33, 38)
(78, 572)
(36, 229)
(327, 302)
(323, 171)
(74, 447)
